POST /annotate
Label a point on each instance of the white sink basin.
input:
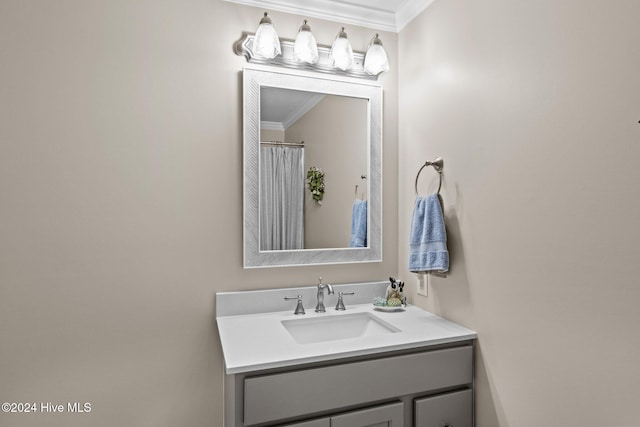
(333, 327)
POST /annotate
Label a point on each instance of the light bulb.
(341, 52)
(305, 48)
(376, 61)
(266, 43)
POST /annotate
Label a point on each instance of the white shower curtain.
(281, 198)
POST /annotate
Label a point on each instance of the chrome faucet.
(320, 306)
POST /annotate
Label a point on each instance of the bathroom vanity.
(358, 367)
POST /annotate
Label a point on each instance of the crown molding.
(302, 110)
(346, 13)
(409, 10)
(278, 126)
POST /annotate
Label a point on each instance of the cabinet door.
(323, 422)
(381, 416)
(451, 409)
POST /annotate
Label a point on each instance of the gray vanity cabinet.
(427, 387)
(391, 415)
(380, 416)
(449, 409)
(324, 422)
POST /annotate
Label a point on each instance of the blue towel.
(359, 224)
(428, 239)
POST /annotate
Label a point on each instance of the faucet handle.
(340, 306)
(299, 308)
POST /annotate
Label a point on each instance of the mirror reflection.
(332, 146)
(329, 135)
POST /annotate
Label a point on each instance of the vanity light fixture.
(264, 47)
(305, 48)
(266, 43)
(375, 60)
(341, 52)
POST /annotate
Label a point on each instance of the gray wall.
(534, 107)
(120, 211)
(121, 204)
(335, 135)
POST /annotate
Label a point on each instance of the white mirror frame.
(253, 78)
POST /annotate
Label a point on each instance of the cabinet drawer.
(451, 409)
(391, 415)
(380, 416)
(323, 422)
(290, 394)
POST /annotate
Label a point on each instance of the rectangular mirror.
(293, 122)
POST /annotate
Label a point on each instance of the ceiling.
(280, 108)
(385, 15)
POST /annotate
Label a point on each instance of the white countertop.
(259, 341)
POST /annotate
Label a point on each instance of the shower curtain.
(281, 198)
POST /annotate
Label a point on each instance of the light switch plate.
(423, 285)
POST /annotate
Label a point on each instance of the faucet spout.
(321, 286)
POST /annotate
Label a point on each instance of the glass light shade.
(266, 43)
(376, 61)
(341, 52)
(305, 49)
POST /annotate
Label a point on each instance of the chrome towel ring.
(437, 164)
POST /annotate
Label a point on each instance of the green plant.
(315, 182)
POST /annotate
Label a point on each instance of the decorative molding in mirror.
(255, 78)
(245, 47)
